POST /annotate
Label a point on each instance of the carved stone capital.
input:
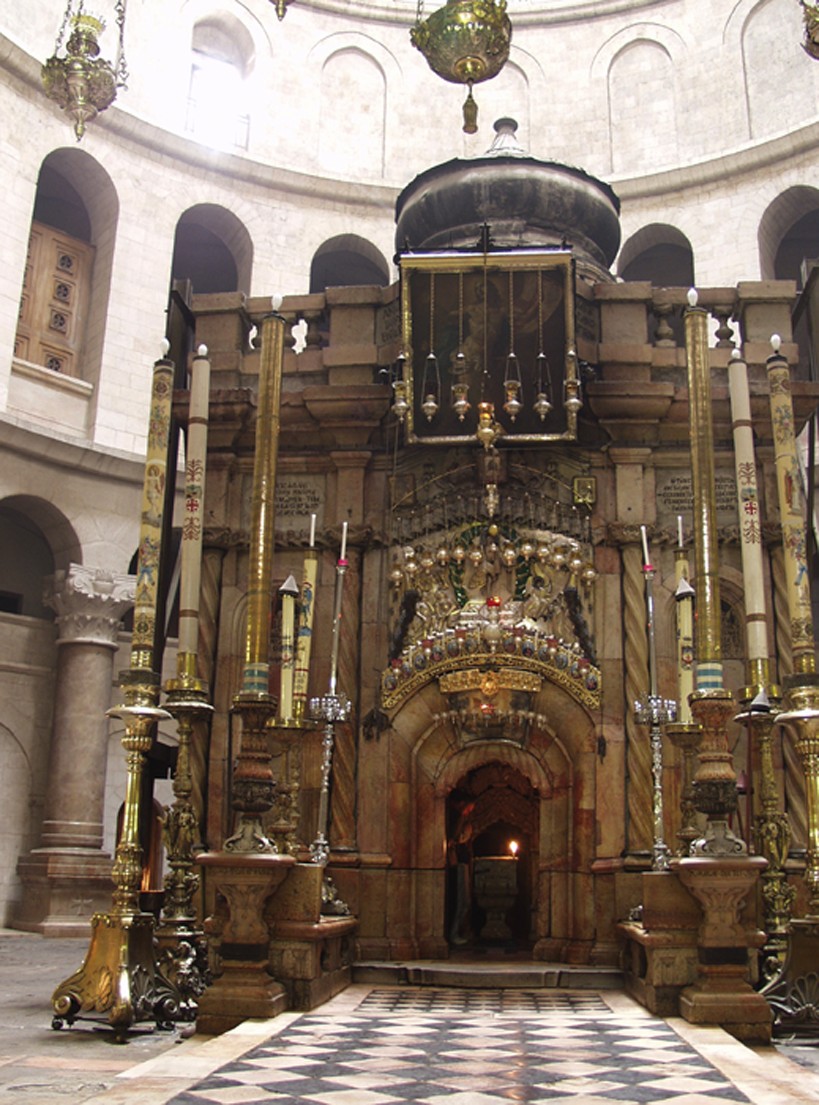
(89, 603)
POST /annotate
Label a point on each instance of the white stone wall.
(695, 112)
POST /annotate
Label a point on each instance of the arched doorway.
(492, 856)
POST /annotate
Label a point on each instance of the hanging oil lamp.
(465, 41)
(512, 381)
(431, 383)
(460, 389)
(400, 404)
(80, 82)
(543, 401)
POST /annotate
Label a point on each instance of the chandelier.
(465, 41)
(810, 14)
(80, 82)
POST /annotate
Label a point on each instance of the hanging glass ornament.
(543, 377)
(431, 383)
(460, 404)
(512, 382)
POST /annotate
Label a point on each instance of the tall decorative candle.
(709, 644)
(341, 568)
(750, 526)
(191, 553)
(684, 596)
(304, 630)
(153, 499)
(791, 512)
(288, 591)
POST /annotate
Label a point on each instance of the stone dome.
(526, 203)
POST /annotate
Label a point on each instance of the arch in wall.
(352, 130)
(789, 227)
(16, 784)
(68, 272)
(660, 254)
(556, 759)
(213, 250)
(638, 66)
(223, 58)
(347, 261)
(766, 35)
(50, 523)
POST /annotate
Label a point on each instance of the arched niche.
(788, 233)
(36, 539)
(213, 250)
(347, 260)
(430, 757)
(64, 306)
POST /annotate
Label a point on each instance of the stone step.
(488, 975)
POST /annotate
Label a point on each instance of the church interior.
(407, 515)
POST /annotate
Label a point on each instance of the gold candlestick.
(253, 784)
(120, 975)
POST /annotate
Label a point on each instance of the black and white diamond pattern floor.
(469, 1047)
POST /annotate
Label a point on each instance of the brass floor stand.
(120, 978)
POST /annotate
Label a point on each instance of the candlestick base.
(120, 978)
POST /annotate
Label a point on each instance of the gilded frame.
(452, 295)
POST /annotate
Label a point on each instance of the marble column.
(68, 877)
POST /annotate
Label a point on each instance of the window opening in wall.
(11, 602)
(217, 113)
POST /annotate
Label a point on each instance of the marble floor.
(388, 1045)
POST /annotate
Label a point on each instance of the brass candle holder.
(183, 951)
(120, 976)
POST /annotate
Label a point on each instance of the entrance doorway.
(492, 834)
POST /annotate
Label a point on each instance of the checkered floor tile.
(477, 1047)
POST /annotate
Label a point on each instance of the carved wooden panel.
(54, 303)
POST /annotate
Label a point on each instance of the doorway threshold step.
(487, 976)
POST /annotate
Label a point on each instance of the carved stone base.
(243, 990)
(660, 950)
(244, 987)
(726, 940)
(63, 887)
(724, 998)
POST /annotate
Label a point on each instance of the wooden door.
(54, 303)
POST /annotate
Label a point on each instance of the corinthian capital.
(89, 603)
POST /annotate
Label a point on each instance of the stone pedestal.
(722, 994)
(69, 877)
(660, 949)
(244, 986)
(310, 953)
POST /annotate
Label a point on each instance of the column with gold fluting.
(770, 826)
(120, 975)
(719, 873)
(715, 790)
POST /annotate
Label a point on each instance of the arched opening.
(789, 233)
(212, 249)
(347, 261)
(25, 561)
(662, 256)
(222, 60)
(64, 302)
(492, 854)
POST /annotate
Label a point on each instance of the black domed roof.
(526, 202)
